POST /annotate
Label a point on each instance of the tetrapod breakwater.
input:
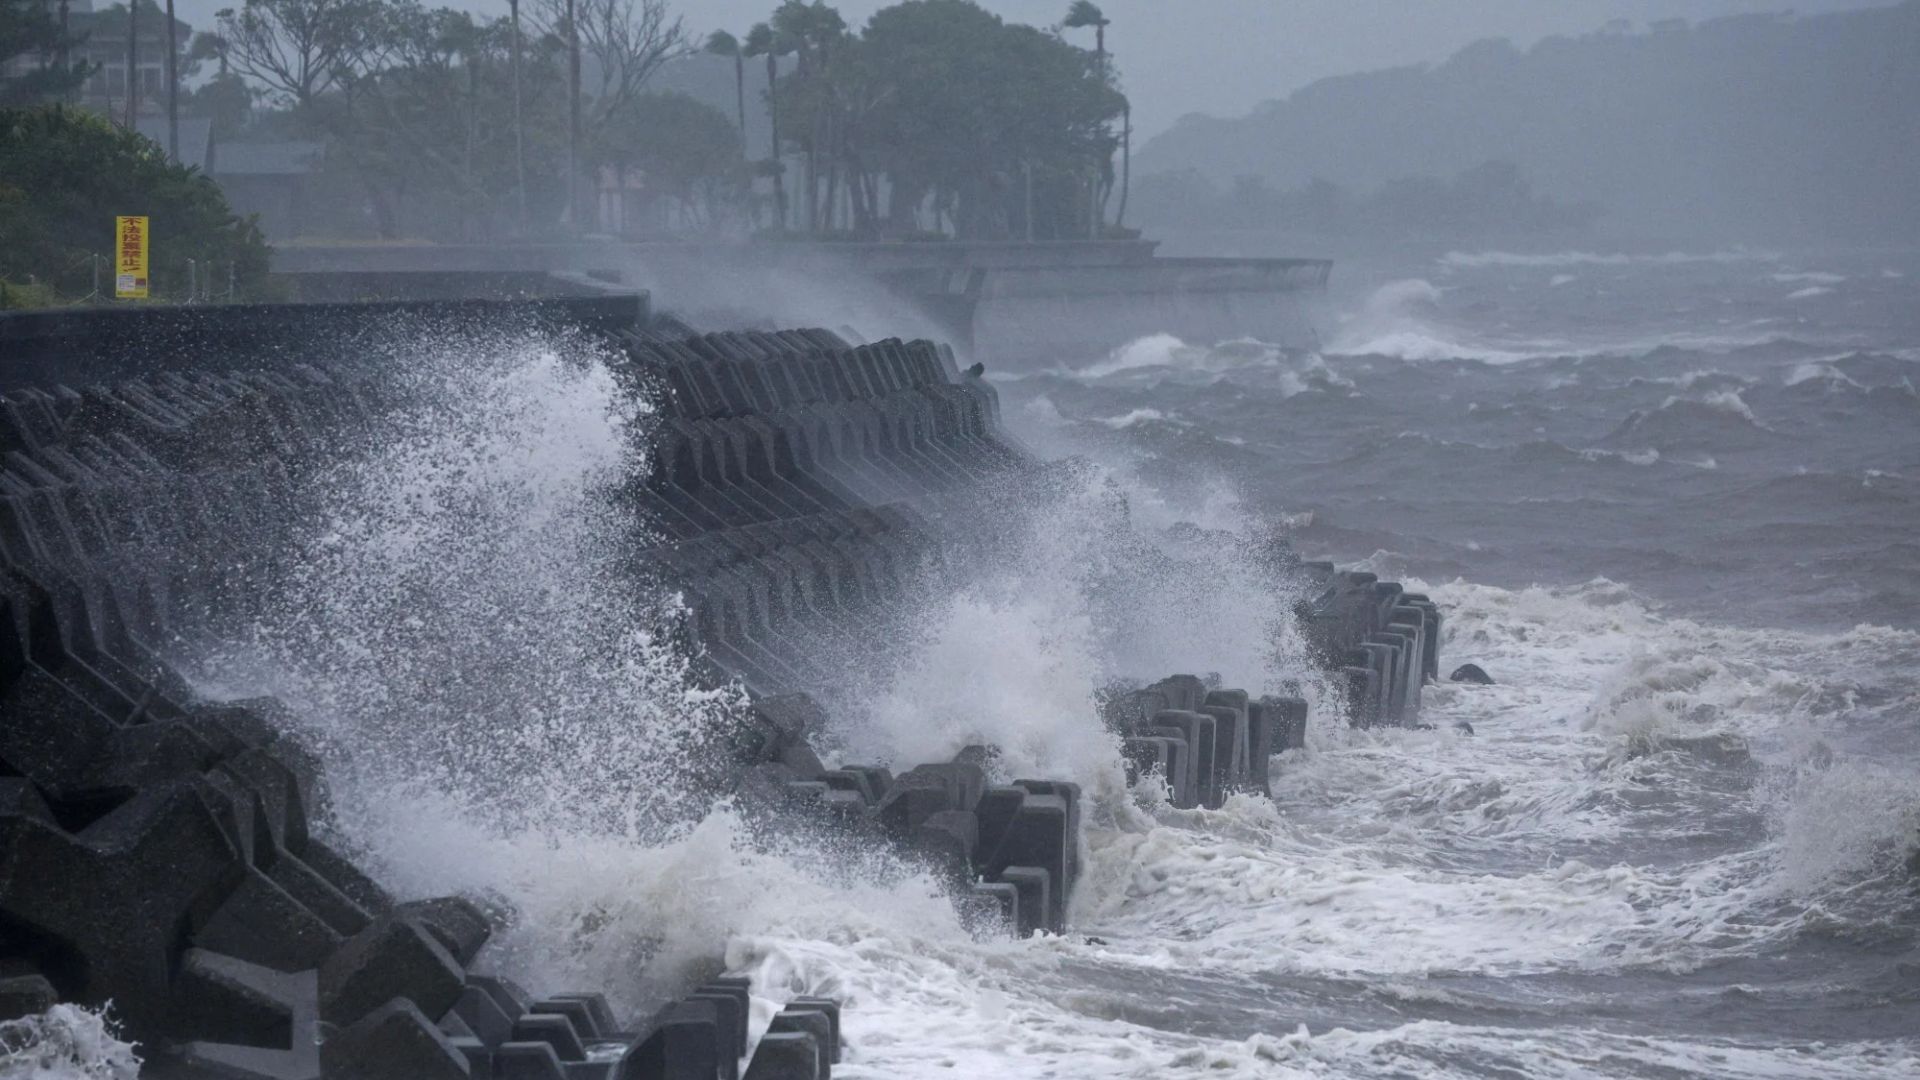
(172, 851)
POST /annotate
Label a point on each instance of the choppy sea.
(1670, 503)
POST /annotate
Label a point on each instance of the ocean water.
(1669, 502)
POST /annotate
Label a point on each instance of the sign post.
(130, 256)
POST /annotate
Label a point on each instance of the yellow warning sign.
(130, 257)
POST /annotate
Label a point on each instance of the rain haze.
(911, 539)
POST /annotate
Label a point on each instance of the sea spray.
(1064, 596)
(502, 698)
(66, 1042)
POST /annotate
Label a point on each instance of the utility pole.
(1026, 167)
(133, 60)
(66, 51)
(173, 89)
(573, 115)
(519, 129)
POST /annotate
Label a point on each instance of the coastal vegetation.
(936, 118)
(65, 174)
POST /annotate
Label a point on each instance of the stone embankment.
(173, 856)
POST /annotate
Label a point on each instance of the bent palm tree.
(721, 43)
(1084, 13)
(761, 42)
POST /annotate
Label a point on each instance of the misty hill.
(1751, 128)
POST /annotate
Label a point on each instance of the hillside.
(1752, 128)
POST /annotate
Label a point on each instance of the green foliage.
(30, 295)
(964, 116)
(1083, 13)
(683, 149)
(65, 174)
(30, 28)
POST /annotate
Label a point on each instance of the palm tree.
(519, 127)
(1084, 13)
(762, 42)
(721, 43)
(815, 30)
(133, 60)
(173, 87)
(573, 118)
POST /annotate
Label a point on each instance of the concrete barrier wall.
(162, 852)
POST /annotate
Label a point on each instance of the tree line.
(936, 118)
(66, 173)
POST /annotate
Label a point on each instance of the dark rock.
(604, 1025)
(261, 924)
(786, 1055)
(813, 1023)
(483, 1016)
(831, 1009)
(1471, 673)
(950, 838)
(25, 995)
(347, 878)
(990, 907)
(685, 1044)
(577, 1012)
(1463, 727)
(455, 922)
(478, 1055)
(106, 906)
(1035, 888)
(512, 999)
(222, 999)
(553, 1029)
(733, 1006)
(393, 1042)
(527, 1061)
(395, 957)
(1039, 836)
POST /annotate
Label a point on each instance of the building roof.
(196, 136)
(283, 158)
(104, 25)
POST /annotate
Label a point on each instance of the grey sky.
(1225, 56)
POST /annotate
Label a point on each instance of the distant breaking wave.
(1401, 320)
(1462, 260)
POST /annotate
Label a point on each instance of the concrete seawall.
(1011, 305)
(173, 855)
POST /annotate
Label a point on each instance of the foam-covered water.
(1673, 513)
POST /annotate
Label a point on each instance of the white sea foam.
(1013, 658)
(1727, 402)
(1154, 350)
(1402, 320)
(457, 620)
(1810, 370)
(1132, 418)
(1483, 259)
(1810, 292)
(1811, 277)
(66, 1042)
